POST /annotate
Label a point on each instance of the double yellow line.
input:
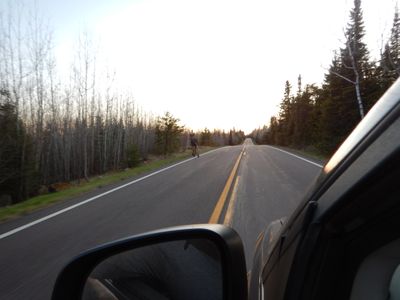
(224, 195)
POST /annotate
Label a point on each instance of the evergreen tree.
(302, 116)
(259, 135)
(133, 156)
(206, 137)
(167, 134)
(284, 113)
(285, 129)
(331, 108)
(324, 117)
(389, 67)
(230, 139)
(347, 84)
(354, 45)
(299, 85)
(394, 45)
(386, 74)
(16, 173)
(271, 136)
(355, 68)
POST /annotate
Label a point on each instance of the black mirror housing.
(71, 281)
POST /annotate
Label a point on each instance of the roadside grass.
(310, 152)
(96, 182)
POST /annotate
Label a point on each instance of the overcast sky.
(213, 63)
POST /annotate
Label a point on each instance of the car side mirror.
(186, 262)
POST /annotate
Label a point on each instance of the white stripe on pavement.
(299, 157)
(18, 229)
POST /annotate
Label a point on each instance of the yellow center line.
(232, 202)
(222, 199)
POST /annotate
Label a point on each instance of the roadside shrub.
(133, 157)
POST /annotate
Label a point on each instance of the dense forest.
(319, 118)
(56, 129)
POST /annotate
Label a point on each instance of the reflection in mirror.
(177, 270)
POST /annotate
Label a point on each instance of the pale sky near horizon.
(213, 63)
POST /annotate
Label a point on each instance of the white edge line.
(299, 157)
(11, 232)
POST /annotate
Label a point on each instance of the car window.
(357, 249)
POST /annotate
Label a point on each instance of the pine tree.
(354, 45)
(355, 64)
(167, 134)
(390, 57)
(16, 175)
(230, 139)
(324, 117)
(394, 45)
(284, 113)
(349, 80)
(302, 116)
(285, 130)
(206, 137)
(299, 85)
(330, 109)
(271, 136)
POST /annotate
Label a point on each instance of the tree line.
(220, 137)
(57, 128)
(321, 117)
(170, 137)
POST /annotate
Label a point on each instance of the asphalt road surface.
(267, 185)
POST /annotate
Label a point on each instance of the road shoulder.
(32, 214)
(318, 159)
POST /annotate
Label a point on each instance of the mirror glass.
(189, 269)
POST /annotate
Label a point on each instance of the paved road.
(269, 184)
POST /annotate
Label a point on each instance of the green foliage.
(206, 138)
(294, 127)
(285, 129)
(16, 155)
(259, 135)
(322, 117)
(235, 137)
(389, 67)
(167, 134)
(133, 156)
(220, 137)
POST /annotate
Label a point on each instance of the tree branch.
(341, 76)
